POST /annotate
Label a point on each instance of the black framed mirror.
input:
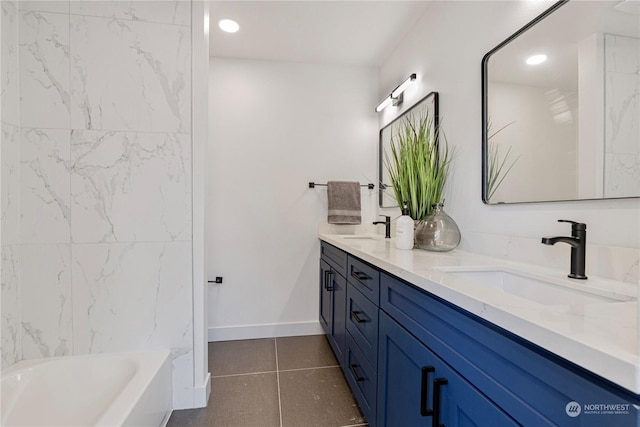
(561, 107)
(428, 104)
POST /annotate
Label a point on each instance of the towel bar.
(369, 186)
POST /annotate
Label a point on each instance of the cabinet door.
(333, 305)
(339, 335)
(416, 388)
(325, 298)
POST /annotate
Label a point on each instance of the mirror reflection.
(561, 104)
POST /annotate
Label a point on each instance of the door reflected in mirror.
(561, 107)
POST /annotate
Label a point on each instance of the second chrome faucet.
(578, 243)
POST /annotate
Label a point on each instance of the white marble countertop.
(600, 337)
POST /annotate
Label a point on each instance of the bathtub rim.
(148, 364)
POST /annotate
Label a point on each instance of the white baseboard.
(245, 332)
(201, 394)
(196, 397)
(165, 421)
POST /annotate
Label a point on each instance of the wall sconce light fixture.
(396, 95)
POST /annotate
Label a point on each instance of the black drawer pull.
(359, 275)
(359, 319)
(437, 383)
(327, 280)
(424, 391)
(355, 373)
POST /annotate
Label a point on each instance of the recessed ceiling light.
(536, 59)
(228, 25)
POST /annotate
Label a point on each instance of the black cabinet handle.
(424, 391)
(355, 373)
(359, 319)
(359, 275)
(437, 383)
(327, 280)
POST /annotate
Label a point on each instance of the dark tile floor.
(274, 382)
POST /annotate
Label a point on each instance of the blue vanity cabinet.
(362, 350)
(363, 296)
(417, 388)
(333, 297)
(493, 377)
(533, 386)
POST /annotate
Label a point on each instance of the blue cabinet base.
(413, 359)
(526, 381)
(410, 396)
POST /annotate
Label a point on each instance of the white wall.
(275, 127)
(445, 49)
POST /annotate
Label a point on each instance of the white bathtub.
(119, 389)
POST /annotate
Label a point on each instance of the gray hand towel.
(344, 202)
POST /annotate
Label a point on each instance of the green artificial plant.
(418, 164)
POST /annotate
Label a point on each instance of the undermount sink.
(357, 237)
(543, 290)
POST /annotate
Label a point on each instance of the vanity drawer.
(362, 323)
(365, 278)
(362, 379)
(336, 258)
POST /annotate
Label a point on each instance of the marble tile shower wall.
(105, 180)
(10, 333)
(622, 109)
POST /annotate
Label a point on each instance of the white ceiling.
(362, 33)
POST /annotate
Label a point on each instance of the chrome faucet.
(387, 226)
(578, 243)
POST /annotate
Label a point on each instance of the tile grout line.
(243, 374)
(311, 368)
(275, 343)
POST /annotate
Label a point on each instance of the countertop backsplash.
(325, 228)
(609, 262)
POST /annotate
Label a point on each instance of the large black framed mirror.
(428, 105)
(561, 107)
